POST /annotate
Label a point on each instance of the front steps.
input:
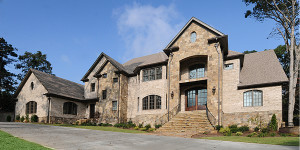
(186, 124)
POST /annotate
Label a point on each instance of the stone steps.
(186, 124)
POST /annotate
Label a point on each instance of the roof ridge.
(145, 56)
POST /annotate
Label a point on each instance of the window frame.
(104, 75)
(229, 68)
(115, 80)
(104, 94)
(151, 102)
(195, 67)
(252, 102)
(93, 87)
(116, 107)
(156, 73)
(70, 108)
(31, 107)
(191, 36)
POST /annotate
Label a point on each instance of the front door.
(195, 99)
(92, 110)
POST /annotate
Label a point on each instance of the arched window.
(152, 102)
(31, 107)
(193, 37)
(70, 108)
(32, 85)
(253, 98)
(197, 71)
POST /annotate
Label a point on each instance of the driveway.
(74, 138)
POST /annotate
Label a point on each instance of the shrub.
(34, 118)
(130, 124)
(136, 128)
(143, 129)
(8, 118)
(252, 134)
(105, 124)
(273, 124)
(239, 134)
(273, 134)
(157, 126)
(225, 131)
(22, 119)
(148, 126)
(265, 130)
(262, 134)
(151, 129)
(256, 129)
(243, 129)
(233, 128)
(141, 125)
(17, 117)
(283, 134)
(119, 125)
(218, 127)
(27, 118)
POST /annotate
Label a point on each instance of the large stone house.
(195, 75)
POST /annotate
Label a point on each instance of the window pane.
(193, 74)
(191, 98)
(145, 103)
(145, 75)
(248, 98)
(158, 102)
(152, 74)
(114, 105)
(202, 97)
(151, 102)
(158, 73)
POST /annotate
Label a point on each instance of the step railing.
(164, 118)
(211, 118)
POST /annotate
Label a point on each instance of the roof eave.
(261, 85)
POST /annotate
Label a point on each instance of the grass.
(9, 142)
(288, 141)
(113, 129)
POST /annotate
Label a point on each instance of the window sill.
(193, 80)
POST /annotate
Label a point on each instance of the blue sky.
(74, 32)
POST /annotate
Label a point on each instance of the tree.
(285, 13)
(7, 81)
(248, 52)
(36, 61)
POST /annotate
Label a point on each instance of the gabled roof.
(193, 19)
(143, 61)
(261, 68)
(55, 85)
(111, 60)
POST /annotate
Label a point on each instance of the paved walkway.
(73, 138)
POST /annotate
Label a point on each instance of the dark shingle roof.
(134, 63)
(55, 85)
(261, 68)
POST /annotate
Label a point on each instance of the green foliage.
(239, 134)
(273, 134)
(256, 129)
(218, 127)
(105, 124)
(8, 118)
(34, 118)
(143, 129)
(225, 131)
(283, 134)
(17, 117)
(125, 125)
(252, 134)
(233, 128)
(27, 118)
(265, 130)
(157, 126)
(88, 123)
(152, 129)
(141, 125)
(136, 128)
(36, 61)
(148, 126)
(248, 52)
(262, 134)
(243, 128)
(273, 124)
(22, 119)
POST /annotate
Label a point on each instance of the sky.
(73, 33)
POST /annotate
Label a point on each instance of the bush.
(273, 124)
(34, 118)
(151, 129)
(243, 129)
(233, 128)
(239, 134)
(273, 134)
(262, 134)
(148, 126)
(17, 117)
(141, 125)
(143, 129)
(8, 118)
(256, 129)
(218, 127)
(119, 125)
(157, 126)
(252, 134)
(136, 128)
(130, 124)
(27, 118)
(225, 131)
(105, 124)
(283, 134)
(22, 119)
(265, 130)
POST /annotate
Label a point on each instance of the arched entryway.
(195, 99)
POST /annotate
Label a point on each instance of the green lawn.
(114, 129)
(9, 142)
(289, 141)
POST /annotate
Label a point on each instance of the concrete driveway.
(74, 138)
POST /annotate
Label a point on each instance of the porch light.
(214, 90)
(172, 94)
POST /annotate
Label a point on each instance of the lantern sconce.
(172, 94)
(214, 90)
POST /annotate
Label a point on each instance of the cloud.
(65, 59)
(146, 29)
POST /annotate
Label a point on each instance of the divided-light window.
(152, 74)
(253, 98)
(70, 108)
(152, 102)
(31, 107)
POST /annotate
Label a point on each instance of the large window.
(31, 107)
(70, 108)
(253, 98)
(104, 92)
(152, 102)
(197, 71)
(152, 74)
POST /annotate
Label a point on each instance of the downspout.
(119, 98)
(49, 105)
(169, 84)
(217, 48)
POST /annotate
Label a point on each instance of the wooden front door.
(92, 110)
(195, 99)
